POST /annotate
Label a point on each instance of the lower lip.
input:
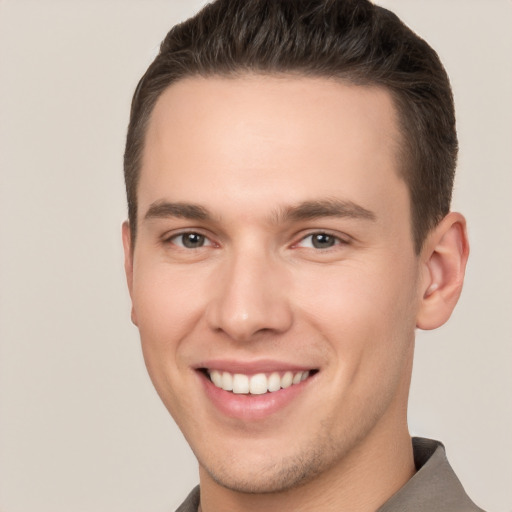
(251, 407)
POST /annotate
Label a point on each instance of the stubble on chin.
(275, 476)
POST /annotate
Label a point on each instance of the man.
(289, 168)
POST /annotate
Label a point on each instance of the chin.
(266, 476)
(265, 481)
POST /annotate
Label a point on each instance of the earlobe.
(444, 258)
(128, 263)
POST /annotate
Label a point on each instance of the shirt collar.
(434, 486)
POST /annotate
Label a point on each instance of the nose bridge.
(250, 297)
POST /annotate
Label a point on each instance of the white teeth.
(297, 378)
(216, 378)
(287, 380)
(240, 384)
(227, 381)
(257, 384)
(274, 382)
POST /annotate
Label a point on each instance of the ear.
(444, 257)
(128, 263)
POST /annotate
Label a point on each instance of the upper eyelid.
(181, 246)
(168, 235)
(343, 238)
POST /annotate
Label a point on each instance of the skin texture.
(245, 150)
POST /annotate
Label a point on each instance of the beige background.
(81, 428)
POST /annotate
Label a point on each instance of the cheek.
(167, 305)
(366, 319)
(163, 296)
(365, 312)
(166, 310)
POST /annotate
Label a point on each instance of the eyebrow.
(306, 210)
(165, 209)
(331, 207)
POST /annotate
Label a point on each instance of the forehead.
(282, 135)
(265, 104)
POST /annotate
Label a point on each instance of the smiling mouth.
(257, 384)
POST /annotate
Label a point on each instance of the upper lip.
(251, 367)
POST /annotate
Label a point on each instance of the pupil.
(322, 241)
(193, 240)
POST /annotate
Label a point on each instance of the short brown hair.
(353, 40)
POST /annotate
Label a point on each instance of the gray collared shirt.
(433, 488)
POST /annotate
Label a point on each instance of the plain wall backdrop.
(81, 428)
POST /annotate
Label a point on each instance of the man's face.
(273, 240)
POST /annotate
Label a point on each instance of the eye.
(190, 240)
(320, 240)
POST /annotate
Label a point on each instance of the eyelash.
(172, 240)
(338, 241)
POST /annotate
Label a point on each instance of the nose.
(251, 298)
